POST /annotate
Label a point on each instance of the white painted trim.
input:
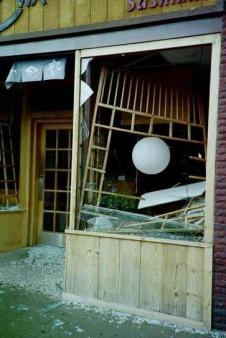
(151, 45)
(75, 141)
(212, 138)
(73, 299)
(215, 41)
(132, 35)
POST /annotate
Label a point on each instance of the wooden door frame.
(38, 120)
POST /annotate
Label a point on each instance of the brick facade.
(219, 259)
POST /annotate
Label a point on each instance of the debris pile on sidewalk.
(40, 269)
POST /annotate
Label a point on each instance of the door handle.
(40, 187)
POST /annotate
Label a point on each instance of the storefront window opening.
(144, 157)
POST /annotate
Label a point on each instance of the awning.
(36, 70)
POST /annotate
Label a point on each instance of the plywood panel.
(174, 280)
(66, 13)
(82, 12)
(195, 274)
(109, 270)
(116, 9)
(99, 11)
(86, 268)
(36, 18)
(151, 276)
(51, 15)
(129, 273)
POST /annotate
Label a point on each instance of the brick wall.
(219, 260)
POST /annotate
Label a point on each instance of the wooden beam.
(212, 138)
(75, 143)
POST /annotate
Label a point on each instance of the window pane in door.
(63, 138)
(48, 221)
(51, 139)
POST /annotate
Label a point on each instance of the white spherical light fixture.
(151, 155)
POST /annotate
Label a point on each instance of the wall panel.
(51, 15)
(164, 277)
(99, 11)
(82, 12)
(68, 13)
(12, 230)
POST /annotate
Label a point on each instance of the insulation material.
(174, 194)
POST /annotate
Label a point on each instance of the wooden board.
(129, 273)
(86, 267)
(115, 10)
(22, 24)
(82, 12)
(12, 230)
(66, 13)
(195, 276)
(70, 273)
(109, 270)
(36, 18)
(51, 14)
(174, 280)
(99, 10)
(151, 274)
(6, 9)
(69, 13)
(166, 278)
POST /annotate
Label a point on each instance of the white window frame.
(214, 40)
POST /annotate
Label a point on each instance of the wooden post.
(212, 136)
(75, 143)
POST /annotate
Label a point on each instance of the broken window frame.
(214, 41)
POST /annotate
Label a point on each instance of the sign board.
(145, 4)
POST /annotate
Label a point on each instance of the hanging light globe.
(151, 155)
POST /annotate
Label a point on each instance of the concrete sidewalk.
(30, 305)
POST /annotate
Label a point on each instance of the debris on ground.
(30, 292)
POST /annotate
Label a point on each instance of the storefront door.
(53, 182)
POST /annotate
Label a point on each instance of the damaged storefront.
(108, 144)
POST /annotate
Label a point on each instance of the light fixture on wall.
(151, 155)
